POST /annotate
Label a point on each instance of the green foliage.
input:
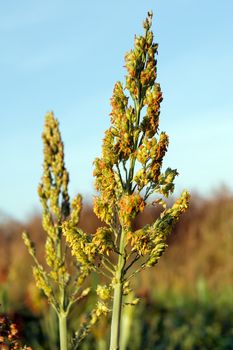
(41, 330)
(191, 325)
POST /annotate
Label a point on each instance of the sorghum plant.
(128, 172)
(61, 289)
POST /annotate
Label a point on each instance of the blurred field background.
(187, 299)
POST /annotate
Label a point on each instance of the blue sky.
(66, 56)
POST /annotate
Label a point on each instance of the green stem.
(63, 331)
(120, 273)
(138, 108)
(62, 314)
(116, 318)
(117, 298)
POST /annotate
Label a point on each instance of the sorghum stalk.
(63, 330)
(117, 297)
(127, 173)
(60, 287)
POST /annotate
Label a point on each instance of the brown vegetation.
(201, 257)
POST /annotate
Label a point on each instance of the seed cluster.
(128, 172)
